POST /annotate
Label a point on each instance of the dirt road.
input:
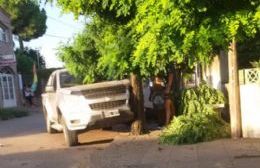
(25, 143)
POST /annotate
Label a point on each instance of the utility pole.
(234, 92)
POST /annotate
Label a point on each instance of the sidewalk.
(145, 152)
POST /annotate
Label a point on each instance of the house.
(217, 75)
(9, 91)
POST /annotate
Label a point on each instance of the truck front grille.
(103, 92)
(107, 105)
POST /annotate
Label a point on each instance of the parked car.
(73, 108)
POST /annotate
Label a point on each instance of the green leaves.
(256, 64)
(24, 63)
(199, 121)
(115, 10)
(28, 20)
(100, 52)
(187, 31)
(194, 129)
(146, 36)
(26, 58)
(114, 46)
(81, 57)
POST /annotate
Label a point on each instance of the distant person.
(28, 95)
(162, 97)
(169, 98)
(157, 97)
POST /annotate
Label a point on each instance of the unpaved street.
(25, 143)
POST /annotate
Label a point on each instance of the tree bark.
(21, 43)
(137, 105)
(233, 92)
(177, 86)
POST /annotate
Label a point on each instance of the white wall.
(250, 110)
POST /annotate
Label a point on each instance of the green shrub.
(255, 64)
(8, 113)
(198, 99)
(198, 122)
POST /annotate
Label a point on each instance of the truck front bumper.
(100, 119)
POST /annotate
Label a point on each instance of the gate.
(250, 101)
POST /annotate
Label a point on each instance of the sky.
(60, 29)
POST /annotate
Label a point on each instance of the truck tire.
(49, 129)
(71, 137)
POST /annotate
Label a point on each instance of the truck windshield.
(67, 80)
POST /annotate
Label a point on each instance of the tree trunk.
(137, 105)
(21, 43)
(177, 86)
(233, 92)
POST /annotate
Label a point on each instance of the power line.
(62, 22)
(51, 35)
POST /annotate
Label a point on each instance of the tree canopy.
(75, 54)
(28, 19)
(145, 37)
(189, 31)
(26, 58)
(249, 51)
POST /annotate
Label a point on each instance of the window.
(5, 88)
(11, 89)
(3, 34)
(52, 81)
(67, 80)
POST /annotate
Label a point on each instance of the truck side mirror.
(49, 89)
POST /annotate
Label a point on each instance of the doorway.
(8, 90)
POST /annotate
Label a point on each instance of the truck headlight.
(128, 96)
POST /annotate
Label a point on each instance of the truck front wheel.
(71, 137)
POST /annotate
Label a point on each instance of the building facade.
(9, 91)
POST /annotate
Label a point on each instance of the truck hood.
(96, 86)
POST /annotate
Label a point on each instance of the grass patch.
(9, 113)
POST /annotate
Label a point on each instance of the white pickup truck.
(73, 108)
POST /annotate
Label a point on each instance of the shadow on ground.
(96, 142)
